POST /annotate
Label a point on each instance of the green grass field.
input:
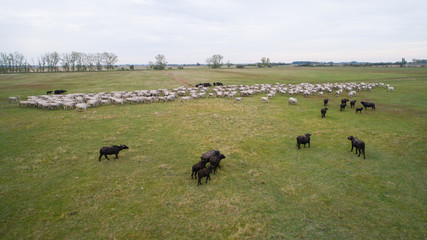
(53, 187)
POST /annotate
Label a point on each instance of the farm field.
(52, 185)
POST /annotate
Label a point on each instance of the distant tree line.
(54, 62)
(14, 62)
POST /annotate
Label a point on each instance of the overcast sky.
(243, 31)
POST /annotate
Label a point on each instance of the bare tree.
(98, 61)
(42, 62)
(54, 60)
(66, 61)
(90, 61)
(74, 57)
(11, 62)
(110, 59)
(3, 62)
(80, 61)
(18, 61)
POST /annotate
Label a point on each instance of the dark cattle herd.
(57, 98)
(199, 170)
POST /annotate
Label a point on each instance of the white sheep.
(188, 98)
(81, 106)
(23, 103)
(118, 100)
(44, 105)
(171, 97)
(14, 99)
(352, 94)
(238, 99)
(265, 99)
(69, 105)
(149, 99)
(292, 101)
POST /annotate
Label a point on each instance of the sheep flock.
(83, 101)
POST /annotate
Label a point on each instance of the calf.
(196, 168)
(359, 110)
(111, 150)
(342, 107)
(205, 172)
(352, 103)
(303, 140)
(49, 92)
(323, 112)
(325, 101)
(359, 145)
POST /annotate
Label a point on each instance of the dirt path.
(180, 80)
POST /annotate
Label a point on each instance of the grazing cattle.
(59, 91)
(359, 145)
(344, 101)
(49, 92)
(203, 85)
(303, 140)
(218, 84)
(359, 110)
(215, 160)
(342, 107)
(323, 112)
(205, 172)
(325, 101)
(367, 104)
(196, 167)
(104, 151)
(206, 157)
